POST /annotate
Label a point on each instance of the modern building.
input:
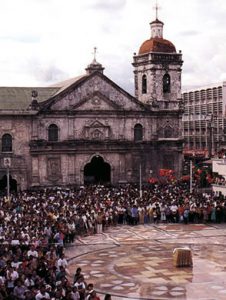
(89, 130)
(204, 122)
(219, 167)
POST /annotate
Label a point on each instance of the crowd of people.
(36, 226)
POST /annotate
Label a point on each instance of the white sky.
(46, 41)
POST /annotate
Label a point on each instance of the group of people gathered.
(36, 226)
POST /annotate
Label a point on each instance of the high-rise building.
(204, 122)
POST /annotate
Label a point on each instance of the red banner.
(166, 172)
(153, 180)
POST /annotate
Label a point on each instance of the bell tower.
(157, 68)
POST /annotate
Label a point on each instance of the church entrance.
(97, 171)
(12, 184)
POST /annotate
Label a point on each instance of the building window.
(144, 84)
(53, 133)
(138, 133)
(6, 143)
(166, 83)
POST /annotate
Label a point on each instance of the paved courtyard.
(136, 262)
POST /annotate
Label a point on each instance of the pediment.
(93, 92)
(96, 130)
(96, 101)
(96, 124)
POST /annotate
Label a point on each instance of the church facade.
(89, 130)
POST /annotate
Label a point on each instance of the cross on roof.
(156, 7)
(94, 53)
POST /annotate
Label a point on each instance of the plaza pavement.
(135, 262)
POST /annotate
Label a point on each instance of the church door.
(12, 184)
(97, 171)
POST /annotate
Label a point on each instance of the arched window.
(6, 143)
(53, 133)
(166, 83)
(138, 132)
(144, 84)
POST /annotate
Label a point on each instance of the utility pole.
(210, 139)
(140, 181)
(191, 175)
(7, 175)
(7, 163)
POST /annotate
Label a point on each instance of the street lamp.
(7, 164)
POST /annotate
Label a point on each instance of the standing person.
(218, 212)
(158, 212)
(181, 213)
(99, 220)
(146, 216)
(174, 210)
(155, 216)
(62, 261)
(81, 286)
(19, 290)
(134, 215)
(168, 213)
(74, 293)
(205, 214)
(78, 273)
(141, 215)
(186, 215)
(150, 214)
(163, 213)
(42, 294)
(93, 296)
(213, 214)
(89, 289)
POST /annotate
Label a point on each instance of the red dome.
(157, 45)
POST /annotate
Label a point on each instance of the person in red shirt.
(92, 296)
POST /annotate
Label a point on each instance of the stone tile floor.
(136, 262)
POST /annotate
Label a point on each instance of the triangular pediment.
(94, 129)
(96, 101)
(93, 92)
(96, 124)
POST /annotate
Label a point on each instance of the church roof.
(157, 45)
(66, 83)
(157, 21)
(19, 98)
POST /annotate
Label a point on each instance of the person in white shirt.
(32, 252)
(42, 294)
(62, 262)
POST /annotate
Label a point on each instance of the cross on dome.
(156, 8)
(94, 66)
(94, 53)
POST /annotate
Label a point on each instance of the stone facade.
(155, 66)
(95, 120)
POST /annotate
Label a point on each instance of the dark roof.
(157, 21)
(19, 98)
